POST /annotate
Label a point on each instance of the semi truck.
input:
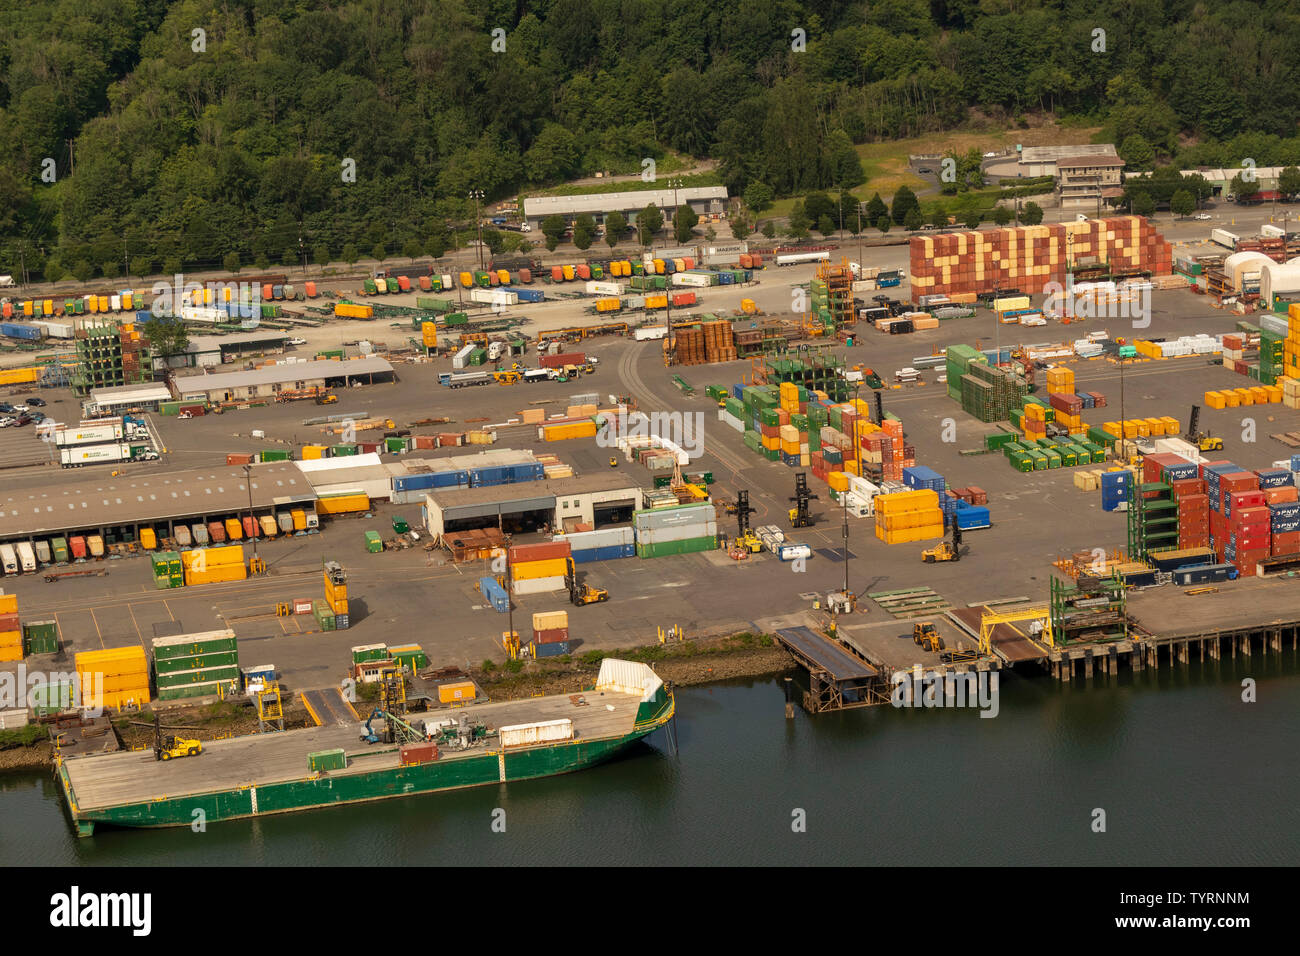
(796, 258)
(462, 379)
(76, 456)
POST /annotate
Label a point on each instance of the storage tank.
(1277, 278)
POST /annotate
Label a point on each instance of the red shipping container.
(1188, 486)
(250, 526)
(544, 551)
(526, 276)
(419, 753)
(9, 622)
(550, 635)
(1246, 561)
(978, 495)
(1235, 501)
(1277, 496)
(557, 273)
(563, 358)
(239, 459)
(404, 283)
(426, 441)
(1251, 542)
(1286, 542)
(683, 298)
(217, 532)
(302, 605)
(426, 284)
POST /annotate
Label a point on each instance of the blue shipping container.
(1275, 478)
(553, 649)
(976, 516)
(495, 594)
(451, 479)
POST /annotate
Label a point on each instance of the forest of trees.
(177, 131)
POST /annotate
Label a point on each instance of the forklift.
(1202, 440)
(581, 594)
(927, 637)
(800, 516)
(944, 551)
(166, 748)
(746, 540)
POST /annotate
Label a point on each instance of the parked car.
(6, 421)
(22, 420)
(37, 402)
(21, 409)
(6, 408)
(297, 341)
(1203, 216)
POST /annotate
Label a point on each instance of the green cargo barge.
(261, 774)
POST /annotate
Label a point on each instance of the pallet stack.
(1030, 257)
(719, 343)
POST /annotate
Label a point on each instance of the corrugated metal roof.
(447, 498)
(213, 343)
(281, 373)
(126, 394)
(608, 202)
(1051, 154)
(92, 501)
(1089, 160)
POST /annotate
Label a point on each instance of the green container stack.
(958, 361)
(1271, 363)
(41, 637)
(684, 546)
(991, 394)
(268, 454)
(195, 665)
(478, 357)
(393, 285)
(370, 287)
(168, 572)
(324, 615)
(374, 543)
(327, 760)
(457, 318)
(340, 450)
(49, 699)
(369, 652)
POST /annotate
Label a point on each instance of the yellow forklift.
(746, 540)
(926, 636)
(944, 551)
(581, 594)
(1204, 441)
(165, 748)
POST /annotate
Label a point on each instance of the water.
(1186, 772)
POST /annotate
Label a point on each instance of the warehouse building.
(1087, 181)
(1033, 161)
(1220, 180)
(597, 500)
(266, 382)
(352, 474)
(208, 350)
(119, 508)
(705, 200)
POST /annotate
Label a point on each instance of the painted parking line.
(97, 630)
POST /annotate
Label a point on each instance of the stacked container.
(908, 516)
(116, 677)
(603, 545)
(336, 593)
(195, 665)
(11, 636)
(550, 627)
(41, 637)
(214, 565)
(537, 568)
(681, 530)
(168, 571)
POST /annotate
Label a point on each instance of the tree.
(1002, 215)
(1183, 203)
(350, 253)
(379, 252)
(710, 234)
(649, 221)
(436, 244)
(174, 265)
(412, 249)
(799, 220)
(684, 220)
(111, 268)
(1288, 182)
(167, 336)
(82, 270)
(826, 225)
(1031, 214)
(261, 262)
(914, 219)
(230, 262)
(769, 230)
(495, 240)
(817, 205)
(584, 231)
(289, 257)
(883, 224)
(740, 227)
(1136, 152)
(875, 208)
(320, 254)
(615, 227)
(1244, 188)
(904, 202)
(1143, 204)
(758, 197)
(140, 266)
(553, 157)
(973, 219)
(938, 217)
(553, 228)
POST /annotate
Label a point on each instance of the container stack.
(538, 568)
(325, 617)
(11, 635)
(908, 516)
(41, 637)
(195, 665)
(603, 545)
(1029, 257)
(336, 593)
(675, 530)
(168, 570)
(213, 565)
(990, 393)
(551, 627)
(410, 656)
(116, 677)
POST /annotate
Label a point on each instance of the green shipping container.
(339, 451)
(457, 318)
(169, 408)
(268, 454)
(370, 287)
(415, 659)
(184, 691)
(173, 665)
(396, 446)
(168, 648)
(478, 357)
(374, 543)
(362, 653)
(685, 546)
(200, 675)
(51, 698)
(41, 637)
(60, 546)
(394, 285)
(327, 760)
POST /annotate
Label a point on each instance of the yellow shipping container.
(568, 430)
(234, 529)
(550, 620)
(299, 519)
(1274, 393)
(11, 653)
(1230, 398)
(838, 481)
(1244, 396)
(466, 279)
(212, 557)
(1171, 425)
(567, 272)
(216, 575)
(343, 504)
(901, 501)
(10, 638)
(148, 539)
(530, 570)
(117, 701)
(770, 443)
(503, 276)
(8, 604)
(430, 333)
(313, 452)
(1259, 394)
(1214, 400)
(656, 301)
(19, 376)
(461, 691)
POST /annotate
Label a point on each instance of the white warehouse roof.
(538, 206)
(283, 372)
(130, 394)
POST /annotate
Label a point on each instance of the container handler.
(581, 594)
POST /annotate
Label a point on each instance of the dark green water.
(1186, 772)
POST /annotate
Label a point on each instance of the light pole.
(248, 480)
(674, 185)
(477, 196)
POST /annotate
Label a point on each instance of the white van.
(27, 557)
(8, 559)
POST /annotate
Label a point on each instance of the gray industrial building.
(208, 350)
(561, 503)
(705, 200)
(265, 382)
